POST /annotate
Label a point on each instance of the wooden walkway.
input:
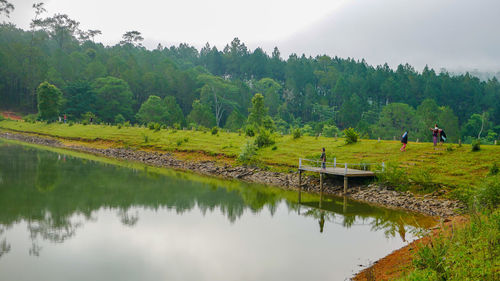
(334, 169)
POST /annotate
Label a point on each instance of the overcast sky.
(455, 34)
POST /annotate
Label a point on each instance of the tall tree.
(152, 110)
(258, 111)
(6, 8)
(49, 101)
(113, 97)
(132, 38)
(60, 27)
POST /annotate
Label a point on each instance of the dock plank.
(338, 171)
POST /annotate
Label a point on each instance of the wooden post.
(459, 142)
(345, 184)
(321, 182)
(417, 139)
(495, 142)
(378, 139)
(300, 179)
(344, 206)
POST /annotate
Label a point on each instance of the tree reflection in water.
(57, 195)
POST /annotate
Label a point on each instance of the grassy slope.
(457, 168)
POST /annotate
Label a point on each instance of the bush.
(394, 176)
(307, 130)
(126, 124)
(146, 138)
(476, 145)
(450, 148)
(31, 118)
(119, 126)
(248, 153)
(330, 131)
(264, 139)
(351, 136)
(215, 130)
(179, 142)
(488, 194)
(249, 131)
(424, 180)
(493, 169)
(469, 253)
(1, 117)
(119, 119)
(296, 133)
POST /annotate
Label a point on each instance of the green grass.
(471, 252)
(459, 167)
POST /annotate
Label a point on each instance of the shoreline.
(372, 193)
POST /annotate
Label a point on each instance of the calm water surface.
(68, 216)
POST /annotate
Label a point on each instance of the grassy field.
(450, 166)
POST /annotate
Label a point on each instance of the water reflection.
(56, 195)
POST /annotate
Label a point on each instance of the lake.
(72, 216)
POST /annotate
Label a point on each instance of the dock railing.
(374, 167)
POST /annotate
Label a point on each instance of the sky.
(452, 34)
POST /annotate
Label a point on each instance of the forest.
(185, 87)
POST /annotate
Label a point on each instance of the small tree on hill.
(49, 101)
(258, 111)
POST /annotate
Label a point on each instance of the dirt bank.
(372, 193)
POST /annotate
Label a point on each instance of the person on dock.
(323, 159)
(435, 133)
(404, 141)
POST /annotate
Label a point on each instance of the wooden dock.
(334, 169)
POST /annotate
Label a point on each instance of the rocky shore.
(372, 193)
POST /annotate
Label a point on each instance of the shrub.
(330, 131)
(119, 119)
(274, 147)
(248, 153)
(71, 123)
(307, 130)
(31, 118)
(424, 180)
(215, 130)
(493, 169)
(476, 145)
(126, 124)
(296, 133)
(1, 117)
(264, 139)
(179, 142)
(394, 176)
(450, 148)
(177, 126)
(351, 136)
(119, 126)
(488, 194)
(146, 138)
(151, 125)
(249, 131)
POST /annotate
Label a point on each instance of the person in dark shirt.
(404, 141)
(323, 159)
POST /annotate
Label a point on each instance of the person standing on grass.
(323, 159)
(435, 133)
(65, 118)
(404, 141)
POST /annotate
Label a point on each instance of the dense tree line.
(212, 87)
